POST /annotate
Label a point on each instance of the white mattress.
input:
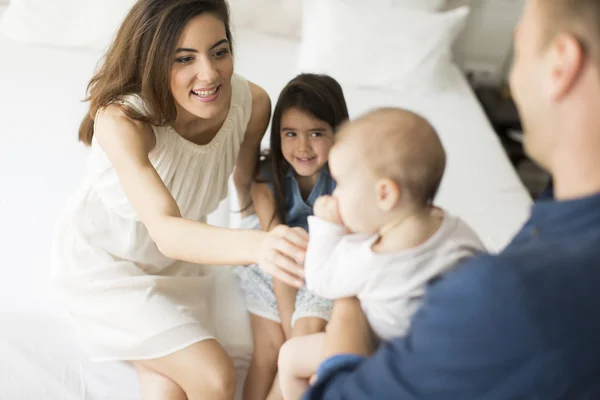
(41, 163)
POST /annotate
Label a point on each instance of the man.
(524, 324)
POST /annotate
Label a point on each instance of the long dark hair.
(318, 95)
(140, 59)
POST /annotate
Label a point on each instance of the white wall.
(486, 43)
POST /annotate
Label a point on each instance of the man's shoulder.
(538, 287)
(486, 289)
(480, 276)
(490, 275)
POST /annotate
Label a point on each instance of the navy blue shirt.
(524, 324)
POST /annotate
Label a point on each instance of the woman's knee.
(219, 383)
(203, 370)
(155, 386)
(212, 380)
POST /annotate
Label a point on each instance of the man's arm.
(470, 335)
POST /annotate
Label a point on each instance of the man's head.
(556, 76)
(389, 160)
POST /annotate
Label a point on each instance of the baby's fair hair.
(402, 146)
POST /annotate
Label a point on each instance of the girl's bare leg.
(268, 339)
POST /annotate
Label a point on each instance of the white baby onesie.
(390, 287)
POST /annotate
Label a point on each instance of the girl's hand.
(282, 254)
(326, 207)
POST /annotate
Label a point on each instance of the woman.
(169, 122)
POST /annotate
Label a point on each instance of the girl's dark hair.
(318, 95)
(140, 59)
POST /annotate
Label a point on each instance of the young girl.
(168, 123)
(290, 179)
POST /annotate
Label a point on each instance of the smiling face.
(202, 69)
(305, 142)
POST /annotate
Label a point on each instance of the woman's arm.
(285, 295)
(127, 144)
(243, 174)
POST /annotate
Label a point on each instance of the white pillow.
(375, 46)
(65, 23)
(274, 17)
(424, 5)
(93, 23)
(284, 17)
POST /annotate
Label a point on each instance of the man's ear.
(566, 58)
(388, 194)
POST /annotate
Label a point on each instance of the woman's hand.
(282, 254)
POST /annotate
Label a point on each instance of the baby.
(378, 237)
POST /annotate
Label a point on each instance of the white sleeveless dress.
(127, 300)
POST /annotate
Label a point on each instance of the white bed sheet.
(41, 163)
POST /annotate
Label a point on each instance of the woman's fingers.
(290, 250)
(296, 236)
(284, 276)
(284, 262)
(285, 253)
(300, 234)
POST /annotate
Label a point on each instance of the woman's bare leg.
(202, 370)
(155, 386)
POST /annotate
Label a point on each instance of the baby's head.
(387, 163)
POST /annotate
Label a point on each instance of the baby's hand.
(326, 207)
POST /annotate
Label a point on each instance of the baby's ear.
(388, 194)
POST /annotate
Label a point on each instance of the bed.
(41, 88)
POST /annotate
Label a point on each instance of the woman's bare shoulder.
(114, 128)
